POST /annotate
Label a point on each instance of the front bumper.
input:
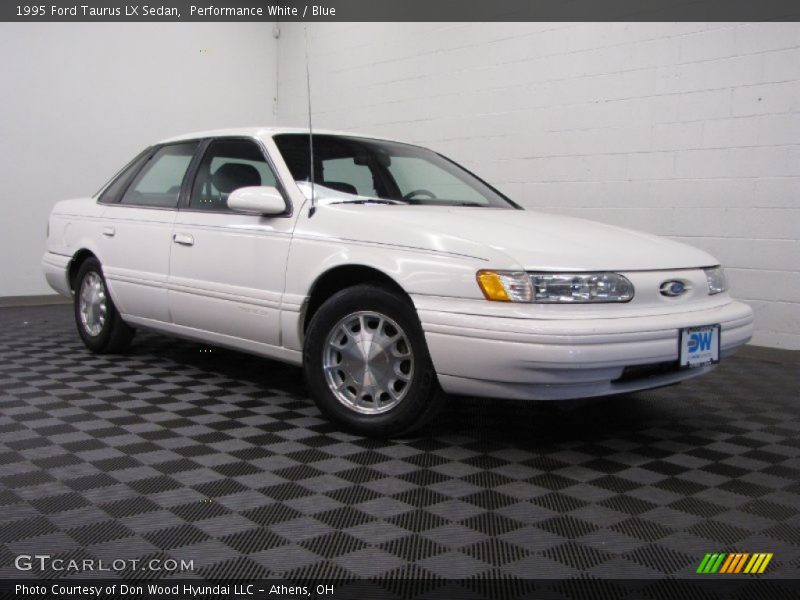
(557, 359)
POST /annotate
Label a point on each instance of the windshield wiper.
(370, 201)
(406, 202)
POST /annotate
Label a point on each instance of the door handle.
(109, 231)
(184, 239)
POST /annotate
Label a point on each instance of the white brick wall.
(79, 100)
(690, 130)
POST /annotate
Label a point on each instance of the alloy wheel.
(93, 306)
(368, 362)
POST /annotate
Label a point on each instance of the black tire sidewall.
(96, 343)
(423, 387)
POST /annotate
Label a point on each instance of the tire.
(399, 356)
(99, 324)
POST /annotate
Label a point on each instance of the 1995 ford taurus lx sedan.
(406, 276)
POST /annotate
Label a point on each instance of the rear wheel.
(99, 324)
(367, 365)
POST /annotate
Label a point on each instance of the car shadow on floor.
(532, 426)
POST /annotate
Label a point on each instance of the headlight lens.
(554, 288)
(576, 288)
(716, 280)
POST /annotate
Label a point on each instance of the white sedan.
(390, 273)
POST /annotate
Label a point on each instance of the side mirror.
(257, 200)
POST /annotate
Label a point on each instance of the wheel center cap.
(370, 364)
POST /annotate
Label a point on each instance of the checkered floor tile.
(196, 453)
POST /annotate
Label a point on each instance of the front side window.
(377, 169)
(227, 166)
(159, 183)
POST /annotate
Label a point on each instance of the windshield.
(360, 169)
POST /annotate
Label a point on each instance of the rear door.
(227, 269)
(137, 229)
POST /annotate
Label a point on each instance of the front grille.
(634, 372)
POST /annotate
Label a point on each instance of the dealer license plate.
(699, 346)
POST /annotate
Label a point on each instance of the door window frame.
(184, 196)
(194, 168)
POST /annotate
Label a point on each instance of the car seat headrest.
(232, 176)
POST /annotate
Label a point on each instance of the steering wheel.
(413, 193)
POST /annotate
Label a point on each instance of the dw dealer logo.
(734, 563)
(699, 341)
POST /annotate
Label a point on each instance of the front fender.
(416, 271)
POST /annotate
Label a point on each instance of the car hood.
(533, 240)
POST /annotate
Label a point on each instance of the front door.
(227, 269)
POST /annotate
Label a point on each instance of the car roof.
(265, 132)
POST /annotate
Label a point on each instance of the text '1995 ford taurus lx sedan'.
(406, 276)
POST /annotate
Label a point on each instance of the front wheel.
(99, 324)
(367, 365)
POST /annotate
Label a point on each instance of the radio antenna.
(310, 129)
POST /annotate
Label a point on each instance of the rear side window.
(159, 183)
(228, 165)
(113, 191)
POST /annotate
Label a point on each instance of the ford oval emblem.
(672, 288)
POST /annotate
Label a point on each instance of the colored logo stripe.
(704, 563)
(735, 562)
(740, 564)
(727, 564)
(758, 563)
(711, 563)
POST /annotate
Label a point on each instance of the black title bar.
(39, 11)
(706, 587)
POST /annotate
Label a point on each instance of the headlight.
(554, 288)
(551, 288)
(716, 280)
